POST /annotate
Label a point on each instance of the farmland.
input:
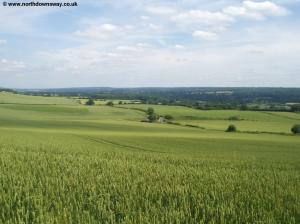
(63, 162)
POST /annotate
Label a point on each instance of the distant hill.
(73, 90)
(6, 90)
(169, 95)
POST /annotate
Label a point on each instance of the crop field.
(64, 162)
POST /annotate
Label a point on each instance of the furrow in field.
(103, 141)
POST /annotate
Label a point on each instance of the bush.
(90, 102)
(169, 117)
(150, 110)
(109, 103)
(152, 117)
(244, 107)
(296, 129)
(231, 128)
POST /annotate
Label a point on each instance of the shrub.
(296, 129)
(90, 102)
(152, 117)
(150, 110)
(109, 103)
(169, 117)
(244, 107)
(231, 128)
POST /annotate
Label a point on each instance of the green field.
(63, 162)
(251, 121)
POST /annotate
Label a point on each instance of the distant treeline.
(7, 90)
(272, 99)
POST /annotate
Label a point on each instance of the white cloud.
(206, 35)
(143, 45)
(127, 48)
(266, 7)
(154, 27)
(88, 59)
(73, 59)
(255, 63)
(242, 12)
(11, 66)
(179, 47)
(145, 17)
(102, 31)
(248, 9)
(202, 17)
(160, 10)
(256, 10)
(3, 42)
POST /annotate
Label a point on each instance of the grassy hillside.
(9, 98)
(62, 162)
(278, 122)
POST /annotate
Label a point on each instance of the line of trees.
(266, 99)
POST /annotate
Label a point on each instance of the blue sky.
(139, 43)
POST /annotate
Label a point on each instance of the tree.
(231, 128)
(295, 108)
(169, 117)
(120, 102)
(244, 107)
(90, 102)
(296, 129)
(109, 103)
(151, 115)
(150, 110)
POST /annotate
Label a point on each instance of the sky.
(151, 43)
